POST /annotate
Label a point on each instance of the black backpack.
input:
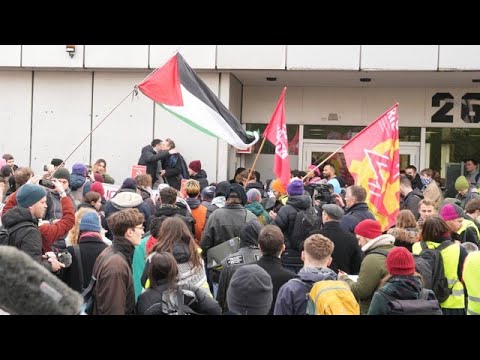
(184, 174)
(429, 264)
(420, 306)
(6, 239)
(305, 222)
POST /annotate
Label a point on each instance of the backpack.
(420, 306)
(429, 264)
(5, 238)
(170, 305)
(184, 174)
(305, 222)
(331, 297)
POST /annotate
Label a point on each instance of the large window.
(411, 134)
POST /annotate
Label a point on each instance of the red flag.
(373, 160)
(276, 133)
(293, 144)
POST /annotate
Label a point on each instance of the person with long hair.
(406, 232)
(100, 167)
(175, 238)
(161, 298)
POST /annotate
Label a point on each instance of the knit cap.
(30, 194)
(451, 212)
(295, 188)
(62, 173)
(195, 165)
(90, 222)
(278, 186)
(129, 183)
(208, 193)
(369, 229)
(250, 291)
(461, 183)
(98, 187)
(253, 195)
(80, 169)
(400, 261)
(315, 169)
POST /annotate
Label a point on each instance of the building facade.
(53, 96)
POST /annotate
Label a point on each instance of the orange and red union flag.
(276, 133)
(373, 160)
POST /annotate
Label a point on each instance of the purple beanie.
(80, 169)
(295, 188)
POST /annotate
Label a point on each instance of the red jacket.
(50, 232)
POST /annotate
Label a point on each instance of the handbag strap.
(180, 301)
(78, 255)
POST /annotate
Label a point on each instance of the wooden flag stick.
(323, 162)
(255, 162)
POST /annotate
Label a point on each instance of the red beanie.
(195, 165)
(98, 187)
(400, 262)
(98, 177)
(368, 228)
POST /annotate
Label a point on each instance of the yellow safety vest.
(450, 256)
(466, 224)
(471, 277)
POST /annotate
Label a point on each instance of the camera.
(47, 183)
(323, 193)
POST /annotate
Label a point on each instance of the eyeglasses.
(140, 227)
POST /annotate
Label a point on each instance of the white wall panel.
(15, 111)
(323, 57)
(120, 138)
(197, 56)
(259, 104)
(51, 56)
(192, 144)
(116, 56)
(459, 57)
(399, 57)
(251, 56)
(61, 117)
(10, 55)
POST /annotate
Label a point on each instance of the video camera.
(323, 193)
(47, 183)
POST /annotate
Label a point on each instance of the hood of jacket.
(256, 208)
(249, 233)
(300, 202)
(219, 201)
(382, 240)
(200, 175)
(408, 235)
(76, 181)
(403, 287)
(17, 215)
(312, 274)
(181, 253)
(193, 202)
(126, 199)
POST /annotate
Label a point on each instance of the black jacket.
(149, 158)
(201, 177)
(28, 238)
(90, 248)
(356, 213)
(347, 254)
(273, 266)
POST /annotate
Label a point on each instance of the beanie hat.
(278, 186)
(62, 173)
(369, 229)
(56, 162)
(98, 177)
(295, 188)
(98, 187)
(315, 169)
(90, 222)
(86, 187)
(195, 165)
(250, 291)
(80, 169)
(400, 261)
(30, 194)
(129, 183)
(222, 188)
(208, 193)
(239, 190)
(451, 212)
(461, 183)
(253, 195)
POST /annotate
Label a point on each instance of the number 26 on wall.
(470, 108)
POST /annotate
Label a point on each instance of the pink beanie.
(451, 212)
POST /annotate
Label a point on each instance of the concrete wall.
(224, 57)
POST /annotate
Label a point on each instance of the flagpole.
(323, 162)
(341, 147)
(95, 128)
(255, 162)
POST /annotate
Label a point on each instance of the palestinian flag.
(179, 90)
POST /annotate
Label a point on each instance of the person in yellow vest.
(469, 231)
(434, 232)
(471, 271)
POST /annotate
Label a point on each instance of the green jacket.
(139, 259)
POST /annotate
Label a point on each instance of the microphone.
(27, 288)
